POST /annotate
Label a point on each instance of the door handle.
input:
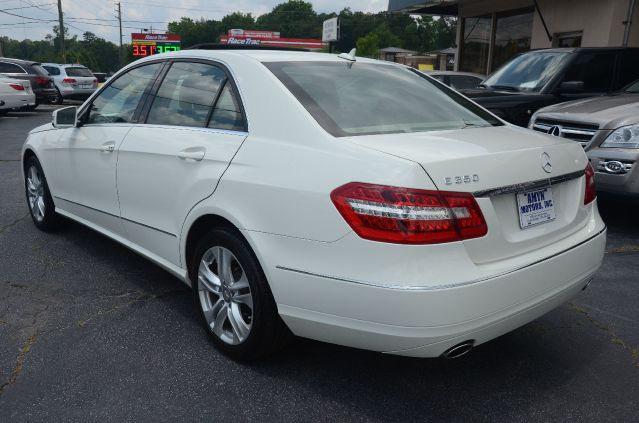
(193, 153)
(108, 147)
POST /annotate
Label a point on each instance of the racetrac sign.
(309, 43)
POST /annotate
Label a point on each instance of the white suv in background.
(72, 81)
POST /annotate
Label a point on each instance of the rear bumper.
(77, 94)
(426, 321)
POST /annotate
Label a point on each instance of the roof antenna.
(350, 56)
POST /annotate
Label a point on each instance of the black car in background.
(539, 78)
(41, 82)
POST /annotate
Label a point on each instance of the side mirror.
(65, 117)
(568, 87)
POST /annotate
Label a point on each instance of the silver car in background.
(73, 82)
(608, 129)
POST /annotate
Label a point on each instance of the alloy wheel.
(225, 295)
(35, 193)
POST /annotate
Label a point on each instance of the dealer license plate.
(535, 207)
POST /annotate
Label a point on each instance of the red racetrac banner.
(310, 43)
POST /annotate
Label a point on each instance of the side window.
(594, 69)
(227, 113)
(186, 95)
(118, 101)
(629, 68)
(10, 68)
(52, 70)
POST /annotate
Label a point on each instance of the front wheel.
(235, 301)
(39, 199)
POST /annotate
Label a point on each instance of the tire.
(58, 99)
(237, 309)
(32, 108)
(39, 201)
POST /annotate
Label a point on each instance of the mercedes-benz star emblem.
(546, 163)
(555, 130)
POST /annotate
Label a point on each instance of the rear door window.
(595, 70)
(227, 113)
(52, 70)
(10, 68)
(186, 95)
(461, 82)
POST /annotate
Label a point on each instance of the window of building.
(513, 33)
(475, 44)
(567, 39)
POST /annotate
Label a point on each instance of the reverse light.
(590, 193)
(17, 87)
(409, 216)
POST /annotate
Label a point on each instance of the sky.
(37, 17)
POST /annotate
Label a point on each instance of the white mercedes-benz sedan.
(342, 199)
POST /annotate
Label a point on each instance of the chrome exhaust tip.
(459, 349)
(587, 284)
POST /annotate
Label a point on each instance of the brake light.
(590, 193)
(69, 81)
(409, 216)
(17, 87)
(42, 81)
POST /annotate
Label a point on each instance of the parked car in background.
(458, 80)
(402, 219)
(541, 78)
(41, 84)
(15, 94)
(101, 77)
(73, 82)
(608, 128)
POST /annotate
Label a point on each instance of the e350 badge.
(462, 179)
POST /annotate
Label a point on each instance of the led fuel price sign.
(149, 44)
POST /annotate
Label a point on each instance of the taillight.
(42, 81)
(69, 81)
(590, 193)
(409, 216)
(17, 87)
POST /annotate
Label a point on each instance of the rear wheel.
(234, 298)
(58, 99)
(39, 199)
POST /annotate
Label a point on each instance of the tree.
(295, 19)
(381, 37)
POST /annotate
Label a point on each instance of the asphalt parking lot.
(91, 331)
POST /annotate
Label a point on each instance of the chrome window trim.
(526, 186)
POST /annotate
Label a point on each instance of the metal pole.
(61, 23)
(628, 22)
(543, 21)
(120, 21)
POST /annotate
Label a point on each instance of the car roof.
(19, 61)
(580, 49)
(436, 72)
(263, 55)
(64, 65)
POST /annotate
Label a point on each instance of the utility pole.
(61, 23)
(120, 21)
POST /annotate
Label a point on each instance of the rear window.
(78, 72)
(352, 98)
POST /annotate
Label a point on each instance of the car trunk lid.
(496, 164)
